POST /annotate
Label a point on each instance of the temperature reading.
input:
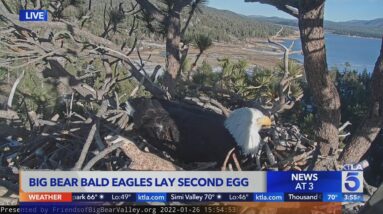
(126, 196)
(91, 197)
(332, 197)
(208, 196)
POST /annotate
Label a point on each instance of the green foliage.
(40, 96)
(73, 13)
(205, 75)
(296, 72)
(3, 73)
(220, 25)
(295, 69)
(187, 39)
(259, 83)
(199, 5)
(234, 75)
(228, 26)
(116, 16)
(202, 42)
(354, 90)
(76, 3)
(205, 67)
(265, 83)
(308, 124)
(150, 26)
(124, 89)
(166, 5)
(186, 65)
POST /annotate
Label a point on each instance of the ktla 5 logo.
(352, 182)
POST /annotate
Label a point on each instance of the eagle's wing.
(151, 118)
(186, 132)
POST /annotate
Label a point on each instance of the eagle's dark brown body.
(187, 133)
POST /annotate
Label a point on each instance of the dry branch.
(283, 104)
(91, 135)
(102, 155)
(85, 149)
(143, 160)
(347, 123)
(236, 162)
(208, 103)
(13, 90)
(9, 201)
(9, 115)
(224, 165)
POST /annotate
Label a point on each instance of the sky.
(336, 10)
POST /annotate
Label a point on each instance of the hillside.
(221, 25)
(375, 23)
(226, 25)
(364, 28)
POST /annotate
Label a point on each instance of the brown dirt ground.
(256, 52)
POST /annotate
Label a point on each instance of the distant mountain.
(365, 28)
(220, 25)
(276, 20)
(375, 23)
(225, 25)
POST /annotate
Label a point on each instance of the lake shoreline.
(360, 52)
(354, 36)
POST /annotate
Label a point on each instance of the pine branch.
(289, 6)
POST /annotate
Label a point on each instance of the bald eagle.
(193, 134)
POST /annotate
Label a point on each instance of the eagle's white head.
(244, 125)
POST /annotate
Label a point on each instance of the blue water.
(361, 53)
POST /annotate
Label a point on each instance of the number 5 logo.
(352, 181)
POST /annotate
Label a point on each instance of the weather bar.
(311, 197)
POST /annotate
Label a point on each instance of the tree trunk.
(184, 53)
(325, 94)
(197, 58)
(173, 39)
(371, 125)
(188, 20)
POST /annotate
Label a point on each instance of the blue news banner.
(325, 186)
(272, 186)
(281, 187)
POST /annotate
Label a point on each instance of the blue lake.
(361, 53)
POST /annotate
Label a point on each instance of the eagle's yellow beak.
(264, 121)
